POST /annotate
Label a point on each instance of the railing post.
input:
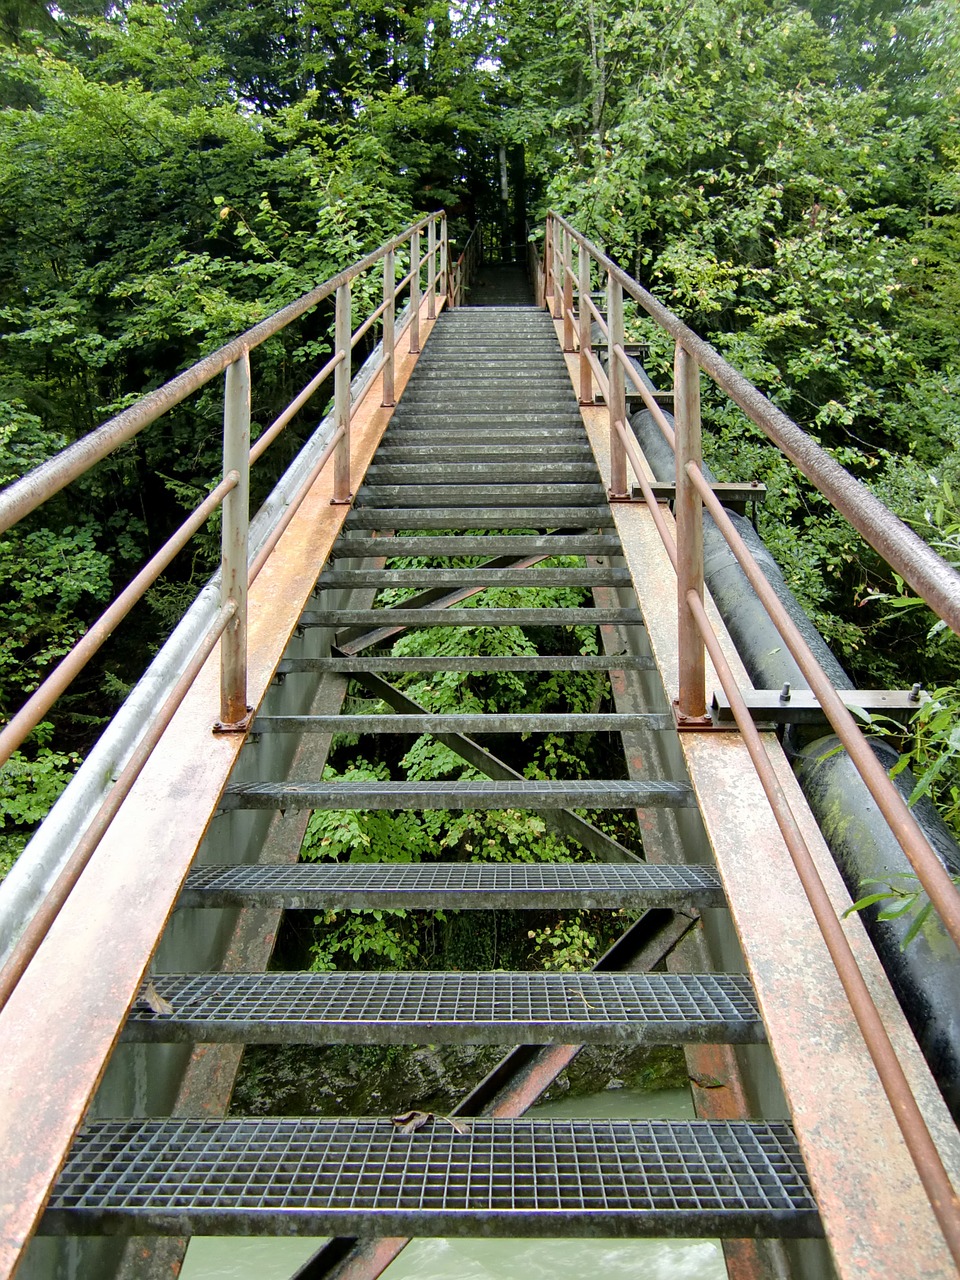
(234, 538)
(586, 326)
(691, 703)
(341, 397)
(548, 264)
(567, 292)
(445, 259)
(415, 292)
(557, 258)
(617, 394)
(389, 345)
(431, 270)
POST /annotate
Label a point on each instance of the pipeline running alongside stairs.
(485, 456)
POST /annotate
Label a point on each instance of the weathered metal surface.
(447, 885)
(871, 1201)
(459, 795)
(488, 1177)
(800, 706)
(479, 663)
(501, 1007)
(135, 876)
(481, 722)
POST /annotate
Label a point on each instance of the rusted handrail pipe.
(933, 579)
(923, 1150)
(43, 698)
(33, 489)
(39, 926)
(264, 441)
(633, 453)
(930, 870)
(656, 412)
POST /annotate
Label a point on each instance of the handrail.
(933, 579)
(927, 572)
(29, 492)
(228, 625)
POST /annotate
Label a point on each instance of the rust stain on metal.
(871, 1201)
(126, 894)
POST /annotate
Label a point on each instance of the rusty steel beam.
(916, 1135)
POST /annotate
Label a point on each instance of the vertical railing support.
(341, 397)
(389, 344)
(431, 270)
(617, 394)
(585, 320)
(567, 291)
(557, 259)
(691, 705)
(548, 265)
(415, 292)
(445, 282)
(234, 713)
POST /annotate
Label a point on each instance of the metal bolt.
(915, 692)
(785, 693)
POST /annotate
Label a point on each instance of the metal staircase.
(484, 456)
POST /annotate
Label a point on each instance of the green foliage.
(30, 782)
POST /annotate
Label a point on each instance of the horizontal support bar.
(800, 706)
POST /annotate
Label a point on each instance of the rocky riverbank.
(375, 1080)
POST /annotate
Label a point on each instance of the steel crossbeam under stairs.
(484, 456)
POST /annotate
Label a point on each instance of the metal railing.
(930, 576)
(465, 267)
(237, 571)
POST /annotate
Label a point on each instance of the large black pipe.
(926, 973)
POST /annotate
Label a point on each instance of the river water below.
(214, 1258)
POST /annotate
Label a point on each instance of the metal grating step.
(461, 885)
(485, 722)
(481, 663)
(476, 495)
(393, 451)
(481, 518)
(358, 546)
(502, 1177)
(471, 794)
(600, 576)
(450, 1008)
(538, 471)
(443, 617)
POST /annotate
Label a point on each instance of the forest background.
(784, 175)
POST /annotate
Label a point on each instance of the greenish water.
(215, 1258)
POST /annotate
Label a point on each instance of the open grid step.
(464, 885)
(482, 793)
(450, 1008)
(365, 1177)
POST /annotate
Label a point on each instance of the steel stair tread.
(468, 617)
(573, 543)
(450, 1008)
(350, 1177)
(486, 722)
(387, 663)
(483, 793)
(480, 518)
(464, 885)
(601, 575)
